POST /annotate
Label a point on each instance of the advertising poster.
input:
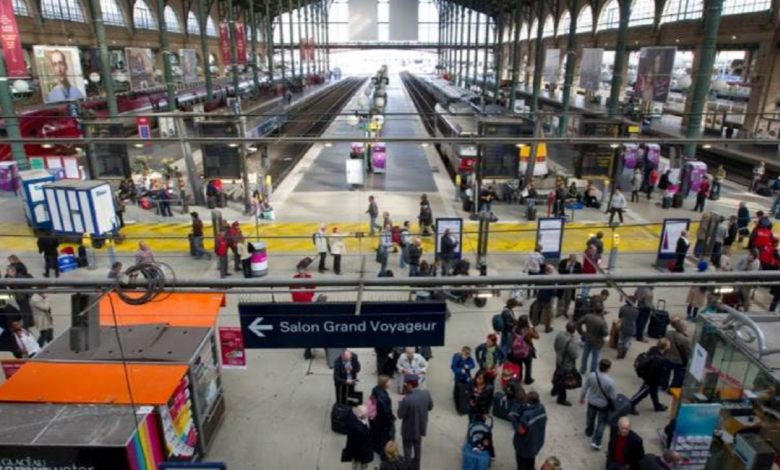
(12, 44)
(240, 43)
(231, 345)
(140, 63)
(549, 236)
(552, 65)
(188, 61)
(224, 42)
(654, 74)
(455, 225)
(59, 72)
(590, 69)
(696, 423)
(671, 232)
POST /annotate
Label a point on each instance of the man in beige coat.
(44, 321)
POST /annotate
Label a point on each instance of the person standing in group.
(383, 423)
(717, 181)
(164, 200)
(591, 264)
(373, 214)
(144, 255)
(404, 242)
(743, 221)
(320, 240)
(628, 315)
(197, 237)
(44, 320)
(383, 251)
(414, 253)
(567, 351)
(636, 184)
(559, 202)
(395, 461)
(359, 448)
(48, 246)
(599, 390)
(644, 302)
(303, 294)
(650, 368)
(486, 198)
(594, 328)
(24, 346)
(530, 429)
(758, 175)
(677, 355)
(721, 233)
(337, 249)
(652, 181)
(490, 356)
(625, 449)
(221, 250)
(413, 412)
(425, 218)
(447, 249)
(545, 298)
(412, 363)
(234, 239)
(597, 241)
(681, 252)
(481, 398)
(345, 375)
(521, 349)
(701, 195)
(461, 366)
(566, 296)
(508, 320)
(21, 268)
(618, 206)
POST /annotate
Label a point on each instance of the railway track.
(318, 114)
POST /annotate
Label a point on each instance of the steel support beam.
(281, 42)
(300, 39)
(203, 14)
(515, 56)
(170, 95)
(486, 53)
(269, 41)
(476, 48)
(253, 47)
(468, 49)
(233, 52)
(306, 31)
(620, 59)
(568, 77)
(105, 63)
(538, 59)
(498, 61)
(460, 44)
(292, 40)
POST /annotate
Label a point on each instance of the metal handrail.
(746, 329)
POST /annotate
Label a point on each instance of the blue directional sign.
(332, 325)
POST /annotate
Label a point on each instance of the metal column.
(253, 46)
(281, 42)
(233, 51)
(476, 50)
(450, 31)
(515, 56)
(487, 54)
(269, 41)
(620, 58)
(440, 54)
(702, 85)
(170, 97)
(568, 79)
(292, 39)
(204, 47)
(300, 40)
(498, 56)
(9, 116)
(460, 44)
(327, 38)
(105, 63)
(538, 58)
(306, 30)
(468, 50)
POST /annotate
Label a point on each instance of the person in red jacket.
(652, 180)
(702, 195)
(768, 256)
(221, 249)
(303, 294)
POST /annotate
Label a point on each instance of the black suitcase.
(305, 263)
(659, 321)
(246, 266)
(81, 258)
(502, 408)
(677, 201)
(666, 202)
(462, 395)
(530, 213)
(339, 418)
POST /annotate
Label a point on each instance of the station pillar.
(233, 50)
(300, 39)
(306, 32)
(105, 64)
(515, 57)
(486, 54)
(253, 47)
(269, 41)
(538, 57)
(281, 41)
(568, 76)
(204, 46)
(166, 58)
(9, 115)
(460, 44)
(620, 59)
(498, 56)
(765, 82)
(292, 37)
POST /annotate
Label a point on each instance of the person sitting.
(573, 194)
(266, 210)
(412, 363)
(591, 199)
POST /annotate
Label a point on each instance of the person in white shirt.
(26, 344)
(412, 363)
(533, 264)
(618, 206)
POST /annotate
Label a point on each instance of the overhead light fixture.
(47, 146)
(733, 38)
(232, 145)
(706, 146)
(138, 146)
(520, 146)
(424, 144)
(677, 41)
(328, 144)
(614, 146)
(251, 149)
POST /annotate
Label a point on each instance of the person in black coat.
(566, 296)
(652, 373)
(383, 424)
(48, 246)
(681, 252)
(447, 252)
(358, 449)
(626, 448)
(481, 397)
(345, 374)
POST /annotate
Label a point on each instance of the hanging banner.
(59, 72)
(654, 73)
(224, 42)
(590, 69)
(552, 65)
(304, 46)
(312, 49)
(188, 61)
(140, 63)
(231, 345)
(240, 43)
(12, 43)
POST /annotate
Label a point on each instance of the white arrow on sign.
(258, 329)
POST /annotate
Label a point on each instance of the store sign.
(331, 325)
(144, 129)
(12, 43)
(231, 346)
(18, 457)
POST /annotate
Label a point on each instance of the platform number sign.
(144, 129)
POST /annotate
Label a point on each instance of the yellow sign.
(633, 129)
(375, 126)
(541, 153)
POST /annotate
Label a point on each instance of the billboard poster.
(140, 63)
(224, 42)
(552, 65)
(12, 43)
(188, 61)
(240, 43)
(654, 73)
(549, 236)
(231, 345)
(59, 71)
(590, 69)
(455, 226)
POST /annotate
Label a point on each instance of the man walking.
(197, 237)
(567, 351)
(321, 243)
(599, 389)
(594, 328)
(717, 181)
(413, 413)
(628, 316)
(566, 296)
(413, 254)
(626, 448)
(404, 242)
(650, 368)
(373, 214)
(677, 355)
(758, 175)
(644, 302)
(48, 245)
(221, 250)
(530, 426)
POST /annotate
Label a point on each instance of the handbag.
(345, 455)
(569, 379)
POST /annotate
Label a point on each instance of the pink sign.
(224, 42)
(231, 344)
(12, 43)
(240, 43)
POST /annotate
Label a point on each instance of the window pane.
(193, 27)
(384, 31)
(642, 13)
(564, 24)
(211, 28)
(171, 20)
(112, 13)
(20, 8)
(737, 7)
(142, 16)
(549, 27)
(64, 10)
(681, 10)
(585, 20)
(610, 16)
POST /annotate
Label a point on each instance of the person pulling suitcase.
(462, 365)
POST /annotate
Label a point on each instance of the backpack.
(642, 364)
(371, 407)
(520, 348)
(498, 323)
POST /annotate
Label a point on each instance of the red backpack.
(520, 348)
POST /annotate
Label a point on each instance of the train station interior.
(390, 234)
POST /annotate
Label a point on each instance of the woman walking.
(383, 420)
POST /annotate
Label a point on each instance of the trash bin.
(258, 259)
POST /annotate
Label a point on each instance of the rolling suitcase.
(659, 321)
(614, 333)
(677, 201)
(621, 406)
(305, 263)
(461, 395)
(530, 213)
(666, 202)
(192, 245)
(339, 418)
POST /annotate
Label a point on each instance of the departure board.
(596, 161)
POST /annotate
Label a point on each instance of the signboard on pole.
(12, 43)
(671, 231)
(355, 172)
(549, 236)
(231, 346)
(144, 129)
(455, 225)
(334, 325)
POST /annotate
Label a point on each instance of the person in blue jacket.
(530, 426)
(462, 365)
